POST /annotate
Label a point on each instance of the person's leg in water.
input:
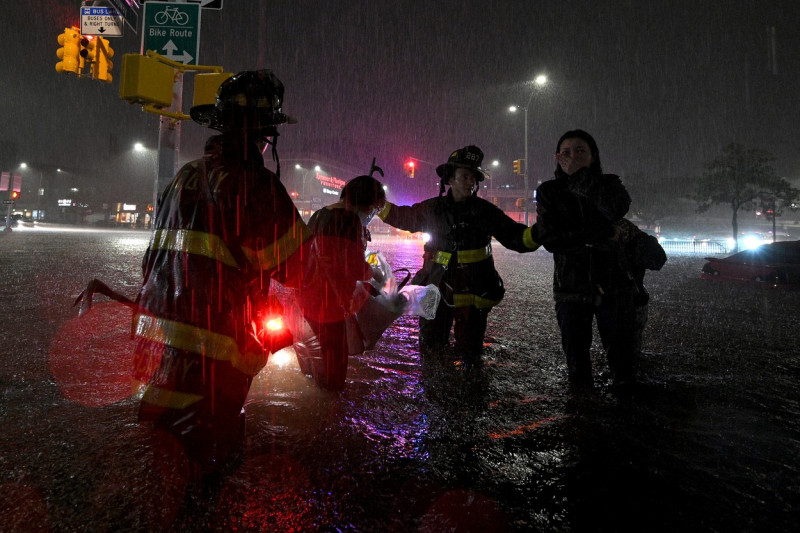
(434, 334)
(575, 323)
(469, 331)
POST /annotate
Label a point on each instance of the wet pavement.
(708, 441)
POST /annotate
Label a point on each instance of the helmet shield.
(247, 101)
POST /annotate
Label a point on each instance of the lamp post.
(540, 81)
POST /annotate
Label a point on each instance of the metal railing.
(706, 246)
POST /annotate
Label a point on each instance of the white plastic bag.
(388, 301)
(421, 300)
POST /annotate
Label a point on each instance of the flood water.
(709, 441)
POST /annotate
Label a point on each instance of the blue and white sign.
(103, 21)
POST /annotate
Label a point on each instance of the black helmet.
(469, 157)
(250, 100)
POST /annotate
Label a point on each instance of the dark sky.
(662, 85)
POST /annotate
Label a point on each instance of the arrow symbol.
(170, 48)
(102, 30)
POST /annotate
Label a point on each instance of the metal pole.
(169, 142)
(525, 176)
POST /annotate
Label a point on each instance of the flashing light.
(271, 330)
(273, 324)
(69, 53)
(426, 237)
(410, 167)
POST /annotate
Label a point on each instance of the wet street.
(708, 441)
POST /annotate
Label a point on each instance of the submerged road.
(708, 441)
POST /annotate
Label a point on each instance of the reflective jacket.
(207, 273)
(575, 221)
(458, 256)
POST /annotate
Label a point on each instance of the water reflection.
(414, 442)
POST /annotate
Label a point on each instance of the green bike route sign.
(172, 29)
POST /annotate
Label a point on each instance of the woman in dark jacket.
(577, 214)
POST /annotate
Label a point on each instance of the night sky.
(662, 86)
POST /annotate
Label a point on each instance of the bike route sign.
(172, 29)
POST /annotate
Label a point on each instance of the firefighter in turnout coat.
(458, 256)
(225, 226)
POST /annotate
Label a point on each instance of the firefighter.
(224, 227)
(458, 256)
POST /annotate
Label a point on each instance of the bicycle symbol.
(171, 14)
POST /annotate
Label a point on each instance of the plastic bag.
(421, 300)
(389, 300)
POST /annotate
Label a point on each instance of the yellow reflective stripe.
(279, 251)
(474, 256)
(465, 300)
(527, 239)
(186, 337)
(385, 211)
(443, 258)
(169, 398)
(193, 242)
(198, 340)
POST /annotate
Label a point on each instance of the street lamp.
(540, 81)
(494, 164)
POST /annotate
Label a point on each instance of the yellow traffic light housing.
(146, 80)
(206, 85)
(88, 51)
(518, 166)
(102, 66)
(69, 53)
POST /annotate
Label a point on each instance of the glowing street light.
(540, 81)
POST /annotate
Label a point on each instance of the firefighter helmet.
(469, 157)
(250, 100)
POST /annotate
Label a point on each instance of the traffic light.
(88, 51)
(520, 202)
(102, 66)
(69, 53)
(410, 166)
(518, 166)
(146, 81)
(14, 196)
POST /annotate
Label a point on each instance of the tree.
(738, 178)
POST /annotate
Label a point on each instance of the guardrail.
(705, 246)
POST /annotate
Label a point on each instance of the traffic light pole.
(169, 142)
(525, 176)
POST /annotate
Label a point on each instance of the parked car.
(775, 264)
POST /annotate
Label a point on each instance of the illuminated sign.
(326, 190)
(129, 207)
(330, 181)
(64, 202)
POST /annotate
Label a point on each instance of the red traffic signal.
(14, 195)
(410, 166)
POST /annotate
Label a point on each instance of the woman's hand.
(568, 164)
